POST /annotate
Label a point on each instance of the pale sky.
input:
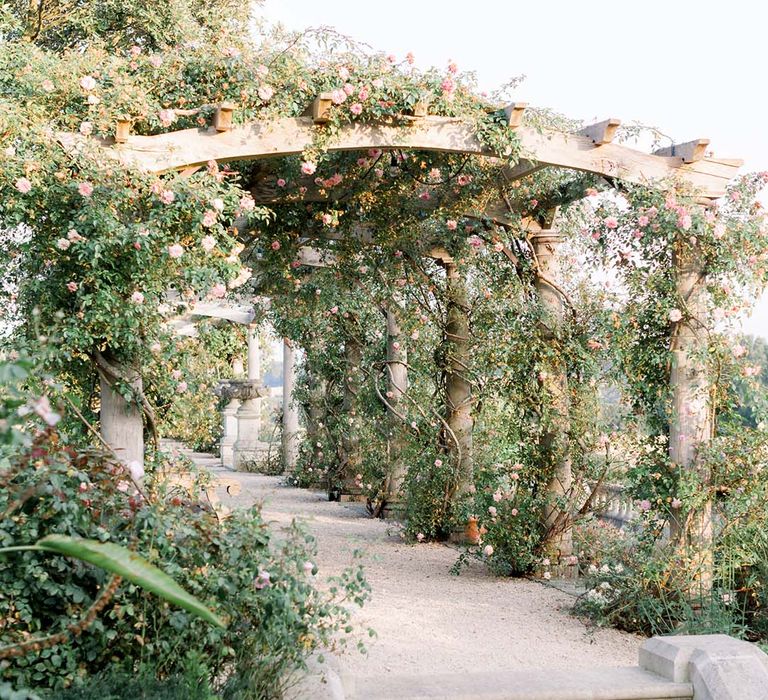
(692, 69)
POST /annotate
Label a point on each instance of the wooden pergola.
(591, 150)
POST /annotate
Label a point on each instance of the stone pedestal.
(248, 416)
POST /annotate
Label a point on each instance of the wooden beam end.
(515, 112)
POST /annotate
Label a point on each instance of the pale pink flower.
(591, 192)
(262, 71)
(395, 346)
(514, 511)
(266, 92)
(676, 503)
(451, 224)
(156, 60)
(497, 496)
(410, 58)
(363, 94)
(208, 243)
(137, 298)
(275, 245)
(74, 236)
(334, 310)
(86, 128)
(308, 167)
(719, 230)
(280, 182)
(546, 575)
(338, 97)
(181, 387)
(209, 218)
(356, 108)
(675, 315)
(175, 251)
(87, 82)
(308, 567)
(23, 185)
(218, 291)
(135, 51)
(63, 243)
(420, 536)
(349, 89)
(231, 51)
(167, 196)
(344, 73)
(463, 180)
(645, 505)
(155, 348)
(166, 116)
(498, 246)
(492, 511)
(48, 85)
(72, 286)
(438, 462)
(611, 222)
(739, 351)
(684, 221)
(378, 83)
(247, 203)
(643, 220)
(176, 374)
(85, 189)
(327, 219)
(488, 550)
(452, 68)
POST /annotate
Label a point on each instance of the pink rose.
(349, 89)
(338, 97)
(167, 196)
(464, 180)
(420, 536)
(488, 550)
(275, 245)
(514, 511)
(48, 85)
(175, 251)
(209, 218)
(643, 221)
(208, 243)
(611, 222)
(356, 108)
(137, 298)
(363, 94)
(86, 128)
(280, 182)
(23, 185)
(72, 286)
(181, 387)
(266, 92)
(492, 511)
(591, 192)
(451, 224)
(327, 219)
(308, 167)
(218, 291)
(63, 243)
(87, 82)
(675, 315)
(645, 505)
(85, 189)
(438, 462)
(676, 503)
(166, 116)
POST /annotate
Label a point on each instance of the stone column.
(458, 389)
(122, 423)
(554, 382)
(397, 384)
(350, 442)
(691, 424)
(229, 422)
(246, 447)
(290, 433)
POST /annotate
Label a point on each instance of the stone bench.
(696, 667)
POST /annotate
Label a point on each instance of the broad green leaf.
(130, 566)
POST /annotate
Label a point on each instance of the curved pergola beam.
(178, 150)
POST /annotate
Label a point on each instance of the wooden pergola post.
(290, 432)
(397, 384)
(554, 383)
(457, 438)
(691, 424)
(350, 442)
(122, 422)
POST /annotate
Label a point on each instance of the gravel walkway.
(427, 620)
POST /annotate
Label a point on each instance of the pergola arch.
(590, 150)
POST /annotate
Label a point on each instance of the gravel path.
(427, 620)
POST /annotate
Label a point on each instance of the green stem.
(22, 548)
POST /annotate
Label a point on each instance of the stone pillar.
(350, 442)
(247, 446)
(554, 382)
(397, 384)
(122, 422)
(290, 433)
(691, 424)
(458, 389)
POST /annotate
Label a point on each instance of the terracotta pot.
(471, 531)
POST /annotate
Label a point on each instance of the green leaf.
(130, 566)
